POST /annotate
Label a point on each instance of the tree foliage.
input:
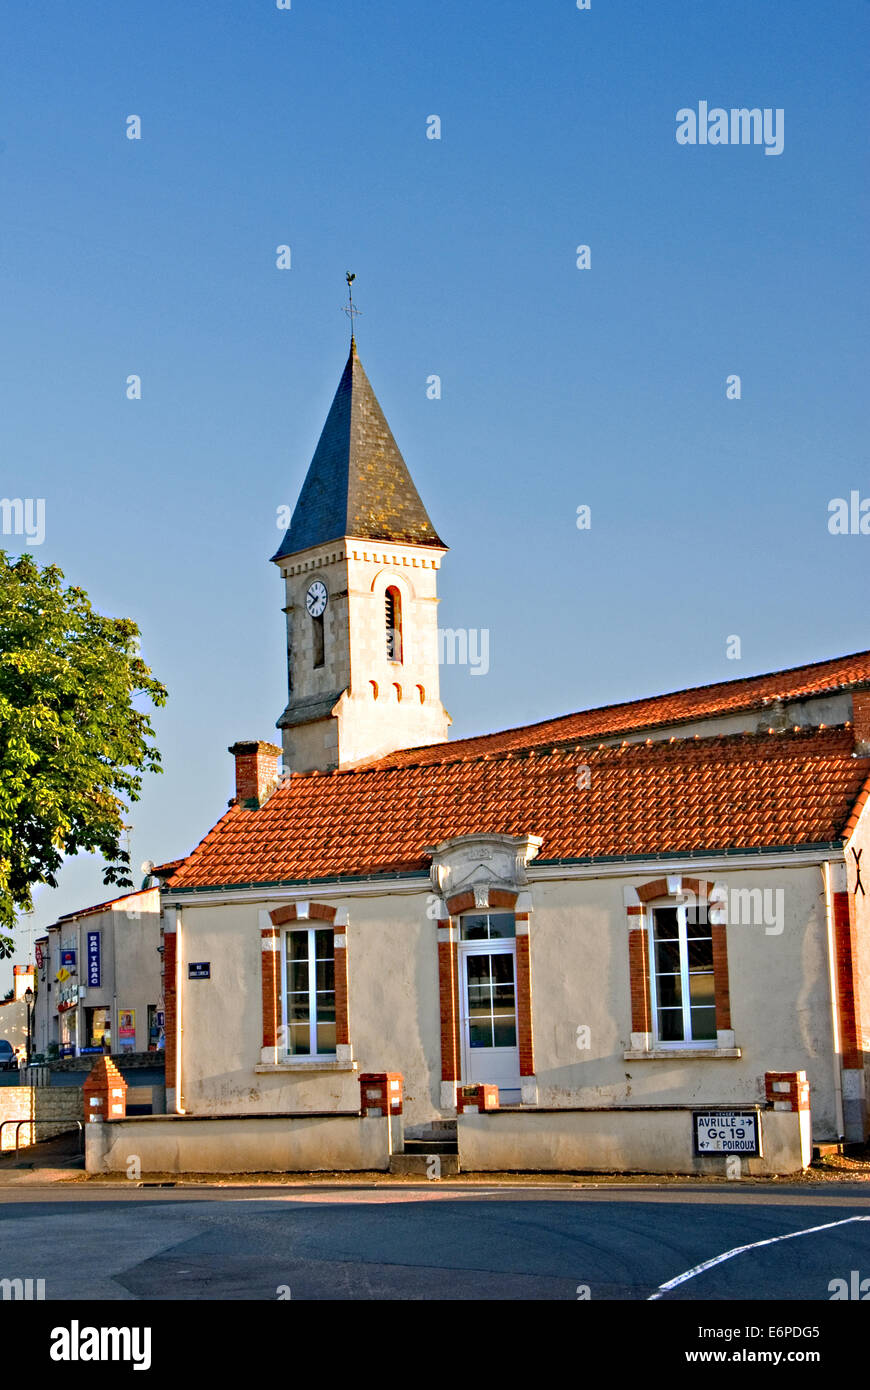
(73, 744)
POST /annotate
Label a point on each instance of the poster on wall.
(127, 1030)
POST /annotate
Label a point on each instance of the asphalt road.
(432, 1242)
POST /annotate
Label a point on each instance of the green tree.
(73, 743)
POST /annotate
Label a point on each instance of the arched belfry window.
(393, 610)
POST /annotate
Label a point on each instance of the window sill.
(307, 1064)
(676, 1054)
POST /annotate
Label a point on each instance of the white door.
(489, 1016)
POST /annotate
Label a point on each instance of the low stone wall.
(124, 1061)
(623, 1140)
(345, 1142)
(49, 1110)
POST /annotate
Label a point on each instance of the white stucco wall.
(620, 1141)
(580, 976)
(177, 1144)
(779, 993)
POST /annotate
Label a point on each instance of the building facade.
(639, 908)
(100, 979)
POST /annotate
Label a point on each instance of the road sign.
(726, 1132)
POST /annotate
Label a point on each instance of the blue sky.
(561, 387)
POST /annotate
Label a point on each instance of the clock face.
(316, 598)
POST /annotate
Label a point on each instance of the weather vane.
(348, 308)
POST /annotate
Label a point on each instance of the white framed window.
(682, 979)
(308, 997)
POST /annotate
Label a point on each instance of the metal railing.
(68, 1130)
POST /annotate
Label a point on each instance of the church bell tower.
(360, 564)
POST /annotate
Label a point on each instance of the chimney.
(256, 772)
(861, 722)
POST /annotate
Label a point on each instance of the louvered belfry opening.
(393, 607)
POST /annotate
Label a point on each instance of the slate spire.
(358, 484)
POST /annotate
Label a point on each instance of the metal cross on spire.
(348, 308)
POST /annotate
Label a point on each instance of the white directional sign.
(726, 1132)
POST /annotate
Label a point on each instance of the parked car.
(8, 1056)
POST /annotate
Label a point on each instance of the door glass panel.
(478, 971)
(491, 995)
(480, 1033)
(504, 1031)
(479, 984)
(502, 968)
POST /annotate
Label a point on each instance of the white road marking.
(741, 1250)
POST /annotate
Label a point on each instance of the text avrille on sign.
(726, 1132)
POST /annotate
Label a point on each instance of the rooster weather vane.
(348, 308)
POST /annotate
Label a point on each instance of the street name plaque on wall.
(726, 1132)
(199, 970)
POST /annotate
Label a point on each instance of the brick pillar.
(787, 1090)
(638, 969)
(381, 1092)
(479, 1096)
(270, 956)
(170, 1011)
(105, 1092)
(448, 997)
(528, 1082)
(343, 1050)
(848, 1009)
(721, 985)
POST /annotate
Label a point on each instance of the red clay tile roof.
(165, 870)
(742, 791)
(106, 906)
(699, 702)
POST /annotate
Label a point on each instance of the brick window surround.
(272, 986)
(481, 900)
(638, 900)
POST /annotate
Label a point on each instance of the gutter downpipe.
(835, 1006)
(179, 1017)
